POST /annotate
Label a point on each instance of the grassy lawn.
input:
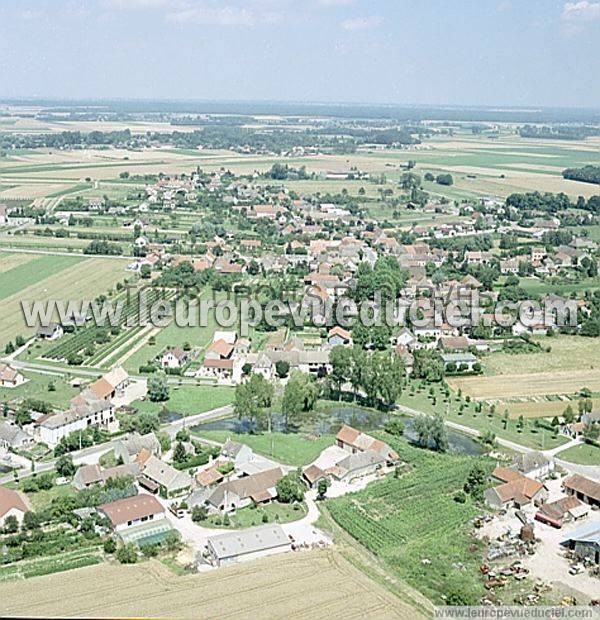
(584, 454)
(37, 387)
(288, 448)
(275, 512)
(531, 435)
(42, 499)
(190, 399)
(413, 518)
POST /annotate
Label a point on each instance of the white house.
(10, 377)
(12, 504)
(131, 511)
(86, 411)
(174, 357)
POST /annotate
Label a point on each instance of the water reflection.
(329, 422)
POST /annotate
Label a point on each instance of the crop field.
(542, 407)
(403, 524)
(10, 260)
(504, 387)
(85, 279)
(480, 166)
(567, 353)
(307, 585)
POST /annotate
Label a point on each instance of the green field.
(567, 353)
(190, 399)
(413, 524)
(37, 388)
(35, 270)
(530, 435)
(83, 279)
(288, 448)
(584, 454)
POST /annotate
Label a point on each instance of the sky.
(454, 52)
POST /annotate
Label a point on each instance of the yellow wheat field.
(310, 585)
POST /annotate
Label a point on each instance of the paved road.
(93, 453)
(78, 371)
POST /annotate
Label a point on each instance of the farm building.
(585, 541)
(11, 437)
(313, 474)
(250, 544)
(255, 489)
(158, 476)
(353, 440)
(339, 336)
(110, 384)
(460, 360)
(12, 504)
(533, 464)
(132, 511)
(86, 411)
(88, 475)
(175, 357)
(358, 465)
(561, 511)
(515, 490)
(583, 488)
(52, 331)
(237, 453)
(10, 377)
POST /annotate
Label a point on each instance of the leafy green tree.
(476, 481)
(158, 388)
(431, 432)
(394, 426)
(252, 399)
(300, 396)
(127, 554)
(282, 368)
(322, 487)
(340, 359)
(11, 525)
(65, 466)
(290, 488)
(199, 514)
(110, 546)
(179, 453)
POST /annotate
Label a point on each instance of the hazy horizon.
(379, 52)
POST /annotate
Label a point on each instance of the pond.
(329, 422)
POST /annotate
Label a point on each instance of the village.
(211, 446)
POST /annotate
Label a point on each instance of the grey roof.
(531, 461)
(231, 449)
(47, 330)
(12, 435)
(359, 460)
(165, 475)
(248, 541)
(590, 532)
(136, 442)
(247, 486)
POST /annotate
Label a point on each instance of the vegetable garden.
(416, 526)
